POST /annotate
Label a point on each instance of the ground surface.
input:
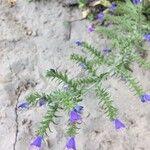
(33, 39)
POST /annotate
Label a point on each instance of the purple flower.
(118, 124)
(147, 37)
(78, 109)
(100, 16)
(23, 104)
(37, 142)
(78, 43)
(136, 2)
(74, 116)
(83, 66)
(113, 7)
(106, 50)
(66, 87)
(42, 101)
(71, 145)
(91, 28)
(145, 97)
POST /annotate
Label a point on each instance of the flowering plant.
(127, 36)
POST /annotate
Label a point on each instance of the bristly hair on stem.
(106, 103)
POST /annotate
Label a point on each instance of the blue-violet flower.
(113, 7)
(74, 116)
(66, 87)
(37, 142)
(145, 97)
(71, 145)
(78, 43)
(118, 124)
(100, 16)
(147, 37)
(91, 28)
(23, 104)
(83, 66)
(42, 101)
(78, 108)
(136, 2)
(106, 50)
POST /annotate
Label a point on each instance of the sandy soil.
(33, 39)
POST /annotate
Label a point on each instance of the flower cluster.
(25, 104)
(100, 16)
(36, 144)
(74, 118)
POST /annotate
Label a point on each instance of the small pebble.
(29, 32)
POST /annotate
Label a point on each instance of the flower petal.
(34, 148)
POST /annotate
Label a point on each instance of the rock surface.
(33, 39)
